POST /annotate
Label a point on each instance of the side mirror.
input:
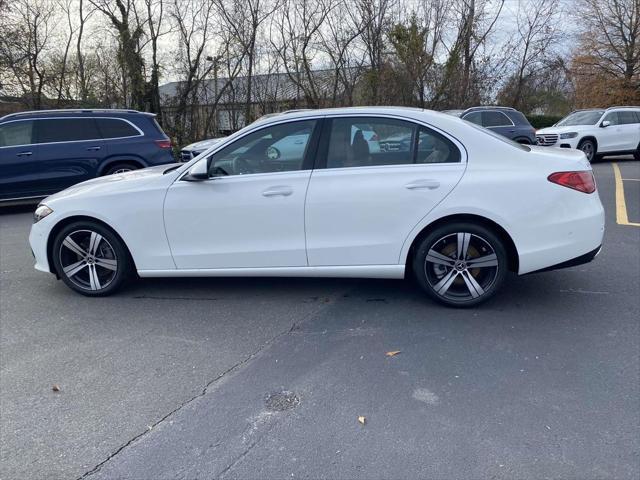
(198, 172)
(605, 123)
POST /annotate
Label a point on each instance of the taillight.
(163, 143)
(581, 181)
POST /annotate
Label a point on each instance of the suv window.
(493, 118)
(279, 148)
(612, 118)
(474, 117)
(626, 117)
(115, 128)
(66, 130)
(360, 142)
(16, 133)
(435, 148)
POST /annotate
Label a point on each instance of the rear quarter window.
(116, 128)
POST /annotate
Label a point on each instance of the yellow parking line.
(621, 205)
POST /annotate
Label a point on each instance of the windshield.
(497, 136)
(589, 117)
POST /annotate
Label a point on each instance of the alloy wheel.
(122, 170)
(588, 149)
(461, 266)
(88, 260)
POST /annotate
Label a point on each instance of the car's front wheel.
(90, 258)
(461, 264)
(589, 148)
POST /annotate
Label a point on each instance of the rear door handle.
(283, 191)
(25, 154)
(93, 149)
(422, 184)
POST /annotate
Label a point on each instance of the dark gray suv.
(506, 121)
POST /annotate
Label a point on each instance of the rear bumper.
(574, 262)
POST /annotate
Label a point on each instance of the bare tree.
(612, 37)
(343, 26)
(27, 34)
(295, 38)
(123, 17)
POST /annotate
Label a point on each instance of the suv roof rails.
(74, 110)
(490, 106)
(623, 106)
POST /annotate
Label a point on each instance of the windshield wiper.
(171, 169)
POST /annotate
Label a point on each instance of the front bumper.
(38, 239)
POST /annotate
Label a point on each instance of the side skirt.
(350, 271)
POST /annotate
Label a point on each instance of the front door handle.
(283, 191)
(422, 184)
(25, 154)
(94, 149)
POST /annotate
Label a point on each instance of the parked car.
(43, 152)
(456, 209)
(597, 132)
(192, 150)
(506, 121)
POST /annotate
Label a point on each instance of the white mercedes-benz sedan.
(305, 194)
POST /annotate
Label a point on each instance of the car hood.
(115, 183)
(564, 129)
(203, 144)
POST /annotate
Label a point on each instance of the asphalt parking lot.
(266, 378)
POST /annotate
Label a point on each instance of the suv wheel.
(636, 154)
(589, 149)
(121, 168)
(461, 264)
(91, 259)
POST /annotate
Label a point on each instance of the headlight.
(568, 135)
(41, 212)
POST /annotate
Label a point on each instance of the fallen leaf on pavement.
(55, 388)
(393, 353)
(362, 420)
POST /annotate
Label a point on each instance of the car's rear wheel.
(461, 264)
(121, 168)
(91, 259)
(589, 148)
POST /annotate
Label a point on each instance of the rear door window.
(363, 142)
(53, 130)
(474, 117)
(16, 133)
(494, 118)
(627, 117)
(116, 128)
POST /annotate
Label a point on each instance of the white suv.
(597, 132)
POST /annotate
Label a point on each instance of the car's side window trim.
(140, 132)
(323, 149)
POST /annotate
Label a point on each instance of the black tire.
(590, 149)
(121, 168)
(447, 279)
(636, 154)
(98, 257)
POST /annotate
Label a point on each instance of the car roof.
(69, 112)
(408, 112)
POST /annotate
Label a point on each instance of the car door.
(250, 212)
(362, 204)
(611, 137)
(70, 150)
(630, 129)
(19, 169)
